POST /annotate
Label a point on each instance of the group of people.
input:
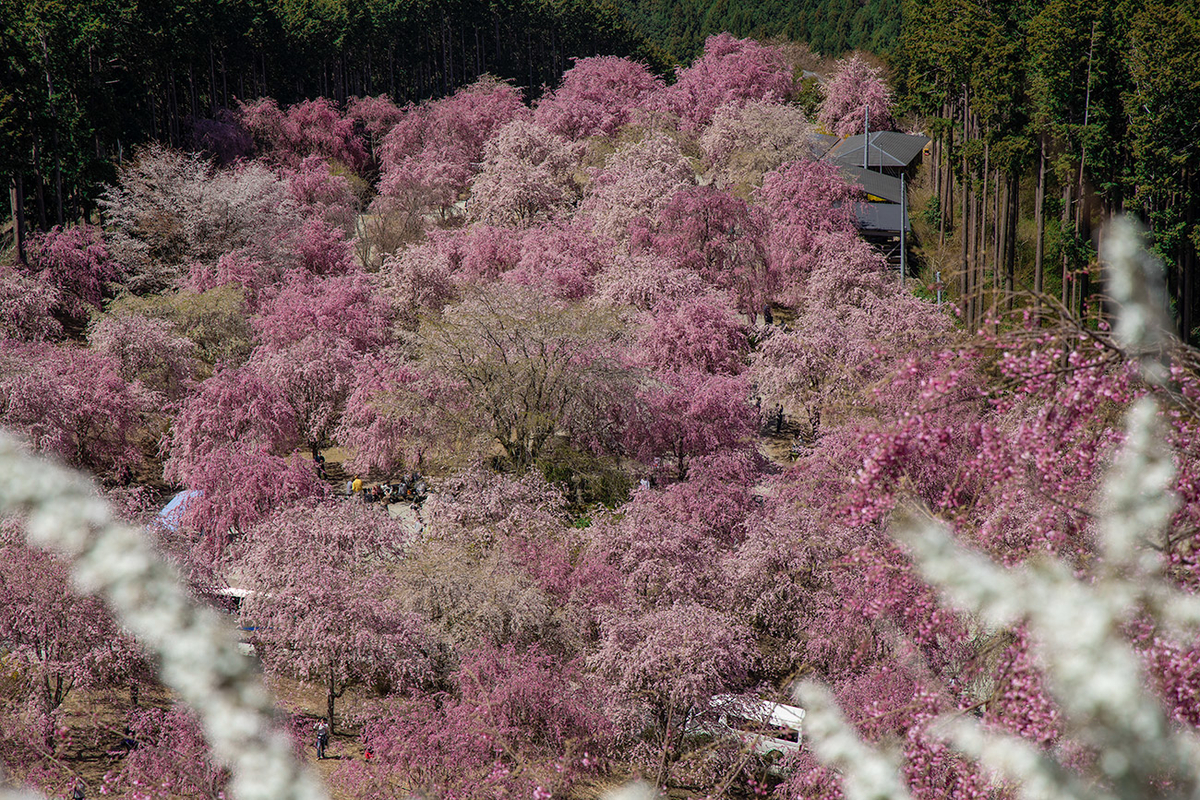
(412, 489)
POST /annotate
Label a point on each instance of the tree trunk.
(664, 761)
(58, 190)
(964, 281)
(1068, 285)
(17, 194)
(1013, 213)
(39, 193)
(1039, 223)
(330, 698)
(980, 239)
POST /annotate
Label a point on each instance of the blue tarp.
(172, 513)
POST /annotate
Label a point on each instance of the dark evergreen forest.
(1047, 118)
(82, 83)
(830, 27)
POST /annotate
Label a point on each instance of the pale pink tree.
(644, 278)
(530, 372)
(418, 280)
(857, 327)
(666, 665)
(148, 350)
(528, 173)
(637, 181)
(322, 602)
(731, 70)
(497, 565)
(856, 96)
(746, 140)
(170, 210)
(56, 641)
(314, 377)
(669, 545)
(147, 215)
(597, 97)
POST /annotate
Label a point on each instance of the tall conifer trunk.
(1039, 223)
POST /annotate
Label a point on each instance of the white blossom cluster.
(196, 650)
(1091, 669)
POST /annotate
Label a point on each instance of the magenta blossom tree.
(731, 70)
(518, 723)
(855, 96)
(376, 116)
(76, 263)
(429, 156)
(241, 268)
(806, 202)
(28, 303)
(56, 640)
(597, 97)
(321, 192)
(234, 490)
(687, 413)
(311, 127)
(562, 259)
(347, 309)
(384, 425)
(701, 333)
(722, 238)
(233, 408)
(170, 755)
(72, 403)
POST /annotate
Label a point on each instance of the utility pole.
(903, 226)
(866, 132)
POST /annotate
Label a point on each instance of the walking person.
(322, 738)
